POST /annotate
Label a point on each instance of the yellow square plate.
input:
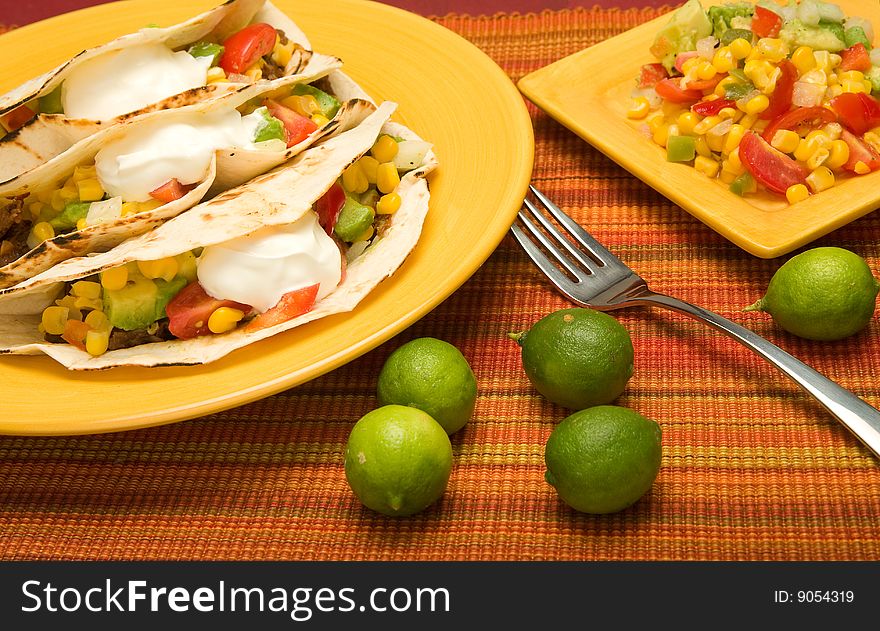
(589, 92)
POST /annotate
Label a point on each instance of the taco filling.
(256, 281)
(158, 163)
(126, 80)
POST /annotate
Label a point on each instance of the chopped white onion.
(830, 11)
(721, 128)
(706, 47)
(741, 102)
(410, 154)
(741, 22)
(357, 248)
(805, 94)
(654, 99)
(274, 145)
(808, 12)
(863, 23)
(875, 56)
(107, 210)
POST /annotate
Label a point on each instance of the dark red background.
(22, 12)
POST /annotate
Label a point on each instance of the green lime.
(821, 294)
(431, 375)
(398, 460)
(577, 357)
(603, 459)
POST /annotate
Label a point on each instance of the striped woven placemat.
(752, 468)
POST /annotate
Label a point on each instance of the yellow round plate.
(448, 91)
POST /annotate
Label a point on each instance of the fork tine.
(559, 280)
(569, 247)
(551, 248)
(583, 237)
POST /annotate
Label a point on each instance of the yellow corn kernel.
(690, 64)
(818, 158)
(873, 139)
(820, 179)
(723, 60)
(819, 138)
(366, 235)
(803, 59)
(785, 140)
(73, 312)
(216, 75)
(68, 192)
(654, 120)
(673, 131)
(772, 49)
(706, 166)
(706, 124)
(756, 104)
(721, 88)
(853, 87)
(54, 319)
(686, 122)
(833, 130)
(89, 190)
(804, 150)
(727, 176)
(850, 75)
(758, 70)
(715, 142)
(354, 180)
(838, 154)
(388, 204)
(748, 121)
(703, 147)
(43, 231)
(368, 166)
(255, 72)
(302, 104)
(114, 278)
(741, 48)
(730, 113)
(869, 86)
(861, 168)
(733, 138)
(45, 196)
(6, 247)
(87, 303)
(97, 342)
(282, 53)
(319, 119)
(639, 109)
(166, 268)
(86, 289)
(770, 83)
(97, 320)
(36, 208)
(82, 224)
(58, 202)
(81, 173)
(147, 206)
(734, 163)
(705, 70)
(224, 319)
(384, 149)
(796, 193)
(387, 177)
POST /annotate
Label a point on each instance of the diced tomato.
(857, 112)
(171, 190)
(292, 304)
(705, 84)
(770, 167)
(296, 126)
(329, 205)
(859, 151)
(189, 310)
(75, 333)
(651, 74)
(780, 98)
(680, 58)
(242, 49)
(807, 117)
(17, 118)
(766, 23)
(855, 57)
(711, 108)
(670, 90)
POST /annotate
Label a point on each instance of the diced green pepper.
(327, 102)
(353, 221)
(732, 34)
(51, 103)
(269, 127)
(745, 183)
(736, 91)
(856, 35)
(73, 212)
(681, 148)
(206, 49)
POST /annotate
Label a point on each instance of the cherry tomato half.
(189, 310)
(770, 167)
(242, 49)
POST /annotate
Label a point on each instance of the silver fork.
(591, 276)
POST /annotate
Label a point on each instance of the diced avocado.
(720, 16)
(873, 75)
(353, 221)
(856, 35)
(796, 33)
(735, 33)
(268, 127)
(207, 49)
(688, 24)
(134, 306)
(328, 103)
(73, 212)
(51, 103)
(834, 27)
(165, 291)
(745, 183)
(681, 148)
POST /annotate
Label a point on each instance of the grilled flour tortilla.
(92, 196)
(296, 194)
(152, 69)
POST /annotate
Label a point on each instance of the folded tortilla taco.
(153, 69)
(127, 179)
(308, 239)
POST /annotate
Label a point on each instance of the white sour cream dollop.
(126, 80)
(259, 268)
(179, 146)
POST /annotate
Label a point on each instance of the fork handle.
(860, 418)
